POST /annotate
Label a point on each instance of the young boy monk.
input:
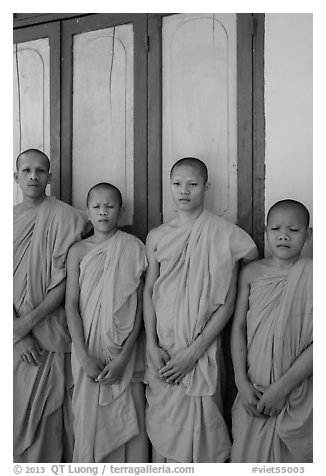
(272, 346)
(44, 229)
(104, 312)
(188, 298)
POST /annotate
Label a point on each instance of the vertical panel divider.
(154, 120)
(66, 111)
(140, 129)
(244, 118)
(258, 133)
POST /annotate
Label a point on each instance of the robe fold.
(184, 422)
(279, 329)
(105, 415)
(42, 238)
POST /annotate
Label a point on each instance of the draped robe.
(105, 416)
(42, 237)
(279, 329)
(185, 422)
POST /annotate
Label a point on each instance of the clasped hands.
(25, 345)
(171, 369)
(109, 374)
(262, 402)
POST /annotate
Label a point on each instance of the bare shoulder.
(252, 271)
(79, 250)
(155, 234)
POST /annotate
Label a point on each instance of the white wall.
(289, 108)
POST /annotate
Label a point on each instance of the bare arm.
(157, 355)
(113, 372)
(239, 330)
(30, 317)
(185, 359)
(249, 395)
(90, 366)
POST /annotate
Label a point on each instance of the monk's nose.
(33, 176)
(284, 237)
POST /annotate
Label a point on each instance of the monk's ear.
(207, 186)
(16, 177)
(308, 233)
(49, 178)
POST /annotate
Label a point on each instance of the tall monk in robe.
(272, 346)
(188, 299)
(44, 229)
(104, 312)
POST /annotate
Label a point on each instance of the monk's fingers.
(266, 411)
(260, 389)
(167, 368)
(24, 358)
(36, 352)
(29, 358)
(33, 358)
(93, 378)
(105, 372)
(174, 377)
(109, 379)
(178, 379)
(257, 413)
(166, 373)
(252, 410)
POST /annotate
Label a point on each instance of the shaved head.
(196, 164)
(105, 186)
(31, 152)
(292, 205)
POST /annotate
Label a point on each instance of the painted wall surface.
(289, 109)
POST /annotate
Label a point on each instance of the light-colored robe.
(105, 415)
(42, 237)
(279, 329)
(184, 422)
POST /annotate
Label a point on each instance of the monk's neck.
(99, 238)
(30, 203)
(281, 264)
(185, 217)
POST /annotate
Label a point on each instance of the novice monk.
(188, 299)
(104, 311)
(44, 229)
(272, 346)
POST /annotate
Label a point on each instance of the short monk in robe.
(104, 312)
(272, 346)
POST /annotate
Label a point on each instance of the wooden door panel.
(104, 111)
(200, 103)
(36, 73)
